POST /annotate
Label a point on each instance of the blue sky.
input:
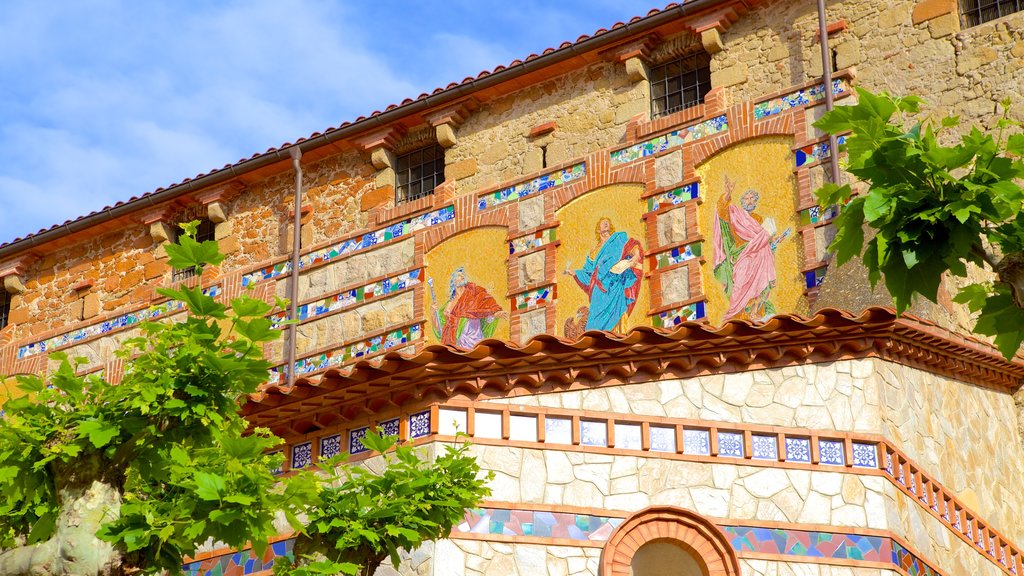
(101, 100)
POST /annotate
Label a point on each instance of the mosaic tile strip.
(338, 357)
(764, 447)
(353, 297)
(806, 543)
(534, 298)
(670, 140)
(814, 278)
(730, 444)
(817, 214)
(241, 563)
(697, 442)
(355, 441)
(537, 523)
(676, 317)
(816, 152)
(802, 97)
(798, 449)
(675, 196)
(353, 245)
(538, 239)
(524, 189)
(663, 439)
(678, 255)
(865, 455)
(910, 563)
(130, 319)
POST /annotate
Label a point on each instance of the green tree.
(934, 209)
(109, 479)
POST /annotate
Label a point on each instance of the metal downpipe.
(293, 289)
(826, 78)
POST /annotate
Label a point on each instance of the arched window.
(668, 541)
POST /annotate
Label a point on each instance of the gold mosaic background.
(765, 165)
(620, 203)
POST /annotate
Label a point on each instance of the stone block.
(18, 315)
(672, 226)
(160, 231)
(223, 230)
(675, 285)
(624, 112)
(90, 306)
(532, 323)
(445, 135)
(711, 39)
(668, 169)
(351, 325)
(13, 284)
(943, 25)
(155, 269)
(400, 310)
(217, 212)
(531, 269)
(385, 177)
(636, 69)
(461, 169)
(929, 9)
(382, 158)
(376, 197)
(531, 212)
(732, 75)
(374, 317)
(534, 160)
(848, 53)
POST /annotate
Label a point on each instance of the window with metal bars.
(680, 83)
(976, 12)
(204, 232)
(418, 173)
(5, 307)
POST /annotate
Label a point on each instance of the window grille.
(5, 307)
(418, 173)
(680, 84)
(976, 12)
(204, 232)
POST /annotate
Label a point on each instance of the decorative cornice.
(693, 349)
(454, 114)
(384, 138)
(18, 265)
(220, 193)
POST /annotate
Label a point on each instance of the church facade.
(605, 265)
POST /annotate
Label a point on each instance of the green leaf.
(209, 486)
(99, 433)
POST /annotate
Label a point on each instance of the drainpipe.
(826, 78)
(293, 294)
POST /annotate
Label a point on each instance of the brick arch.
(689, 530)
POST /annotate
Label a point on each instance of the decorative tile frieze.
(814, 278)
(353, 245)
(355, 441)
(330, 446)
(419, 424)
(670, 140)
(678, 255)
(696, 442)
(352, 297)
(593, 433)
(534, 298)
(524, 189)
(831, 452)
(818, 215)
(798, 449)
(336, 358)
(676, 317)
(566, 525)
(675, 196)
(535, 240)
(302, 455)
(816, 152)
(802, 97)
(730, 444)
(764, 447)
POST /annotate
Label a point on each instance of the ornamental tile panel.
(330, 446)
(593, 433)
(673, 197)
(536, 240)
(765, 447)
(670, 140)
(831, 452)
(730, 444)
(814, 278)
(865, 455)
(798, 98)
(628, 436)
(355, 441)
(419, 424)
(816, 152)
(534, 298)
(819, 215)
(798, 449)
(338, 357)
(389, 427)
(678, 255)
(697, 442)
(302, 455)
(353, 297)
(524, 189)
(671, 318)
(663, 439)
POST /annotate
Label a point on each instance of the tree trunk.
(1011, 271)
(74, 550)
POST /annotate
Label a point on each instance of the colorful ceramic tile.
(799, 98)
(593, 433)
(670, 140)
(534, 298)
(388, 427)
(330, 446)
(814, 278)
(831, 452)
(243, 563)
(353, 245)
(524, 189)
(696, 442)
(684, 193)
(676, 317)
(790, 542)
(865, 455)
(764, 447)
(817, 214)
(816, 152)
(535, 240)
(663, 439)
(419, 424)
(338, 357)
(557, 430)
(566, 525)
(628, 436)
(353, 297)
(302, 455)
(355, 441)
(152, 313)
(798, 449)
(730, 444)
(678, 255)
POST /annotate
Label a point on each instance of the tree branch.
(35, 560)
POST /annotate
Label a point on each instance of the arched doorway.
(668, 541)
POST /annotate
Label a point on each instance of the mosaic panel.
(697, 442)
(240, 563)
(765, 447)
(673, 197)
(671, 318)
(353, 245)
(330, 446)
(389, 427)
(807, 543)
(663, 439)
(831, 452)
(338, 357)
(302, 455)
(419, 424)
(678, 255)
(911, 564)
(814, 278)
(353, 297)
(123, 321)
(537, 523)
(534, 298)
(670, 140)
(536, 240)
(802, 97)
(817, 214)
(798, 449)
(730, 444)
(815, 152)
(530, 187)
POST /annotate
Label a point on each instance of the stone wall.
(830, 396)
(965, 436)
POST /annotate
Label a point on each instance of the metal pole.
(293, 292)
(826, 78)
